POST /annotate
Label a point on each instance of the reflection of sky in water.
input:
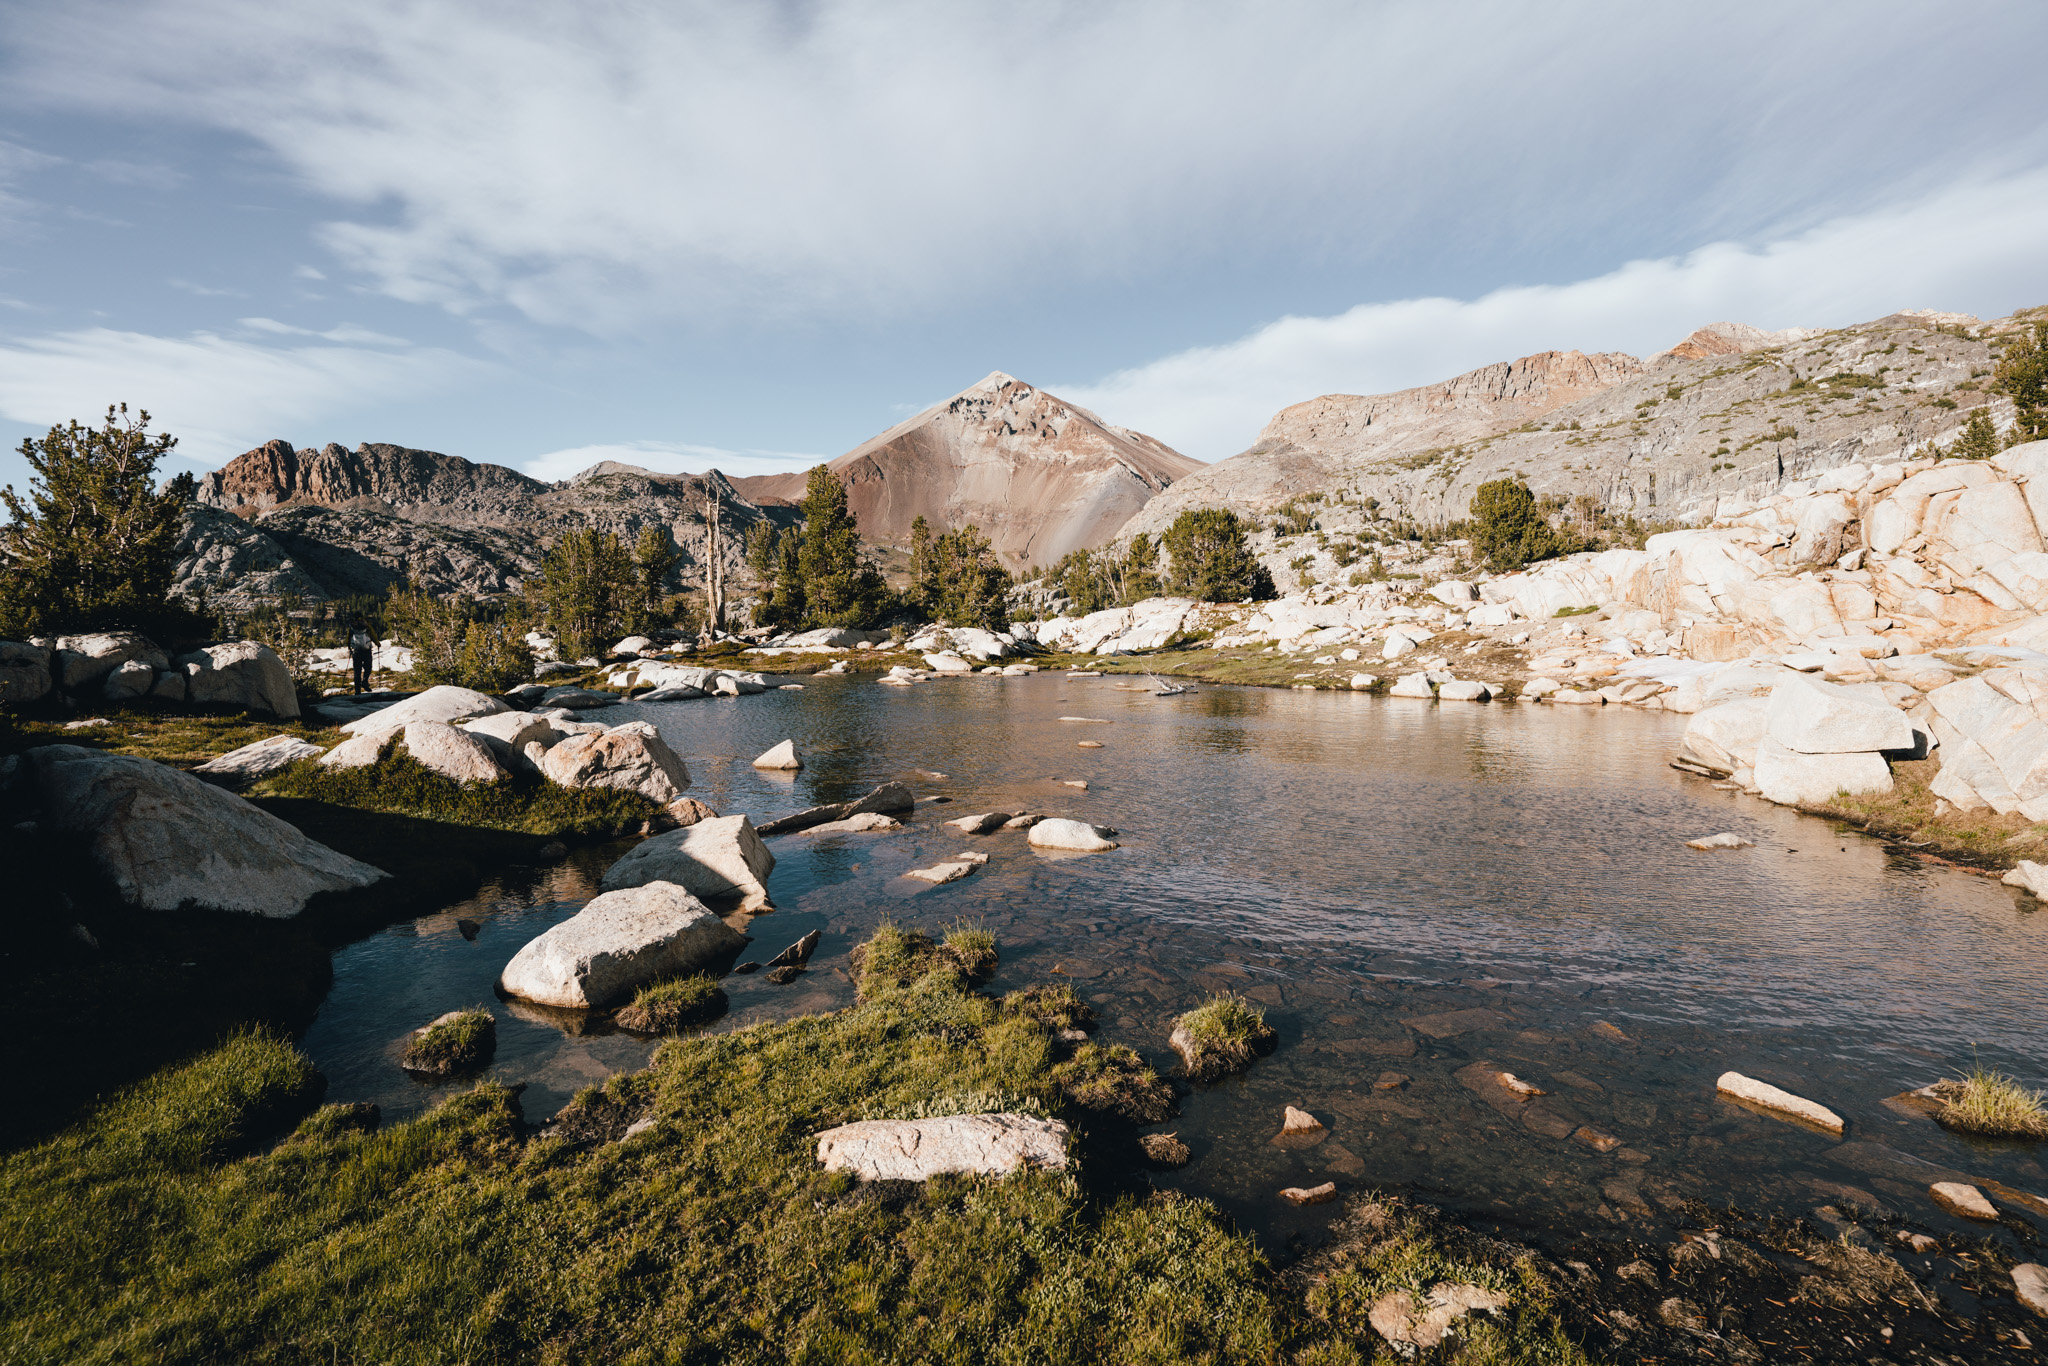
(1352, 862)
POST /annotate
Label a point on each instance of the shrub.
(1211, 559)
(1222, 1035)
(1508, 531)
(461, 1042)
(666, 1007)
(95, 542)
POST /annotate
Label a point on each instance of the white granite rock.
(1763, 1094)
(258, 759)
(1074, 835)
(628, 757)
(617, 943)
(446, 703)
(716, 858)
(919, 1149)
(782, 757)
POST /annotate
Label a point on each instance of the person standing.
(361, 648)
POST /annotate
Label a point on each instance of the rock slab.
(919, 1149)
(1072, 835)
(167, 839)
(258, 759)
(619, 942)
(1764, 1094)
(720, 857)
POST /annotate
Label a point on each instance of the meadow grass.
(665, 1007)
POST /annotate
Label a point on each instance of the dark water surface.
(1353, 863)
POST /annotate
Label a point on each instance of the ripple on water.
(1351, 863)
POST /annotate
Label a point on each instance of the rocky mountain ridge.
(1040, 476)
(1729, 411)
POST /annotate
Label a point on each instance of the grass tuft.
(522, 802)
(666, 1007)
(898, 959)
(1991, 1104)
(1114, 1080)
(458, 1042)
(1055, 1007)
(973, 946)
(1222, 1035)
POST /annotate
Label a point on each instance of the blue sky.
(752, 236)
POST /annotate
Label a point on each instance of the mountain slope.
(1039, 475)
(1662, 439)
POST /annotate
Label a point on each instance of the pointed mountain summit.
(1040, 476)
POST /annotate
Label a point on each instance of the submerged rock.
(1724, 840)
(720, 857)
(621, 941)
(1417, 1325)
(1964, 1200)
(1312, 1195)
(1072, 835)
(1299, 1129)
(167, 839)
(919, 1149)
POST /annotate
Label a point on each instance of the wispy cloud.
(1975, 245)
(669, 457)
(219, 395)
(610, 166)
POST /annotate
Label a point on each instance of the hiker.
(360, 648)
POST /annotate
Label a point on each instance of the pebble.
(1313, 1195)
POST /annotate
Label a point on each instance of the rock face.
(260, 759)
(619, 942)
(717, 858)
(1709, 426)
(1038, 475)
(24, 673)
(919, 1149)
(167, 839)
(240, 674)
(636, 760)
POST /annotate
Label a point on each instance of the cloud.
(613, 166)
(1973, 246)
(219, 395)
(669, 457)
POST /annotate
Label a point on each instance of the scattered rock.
(167, 839)
(865, 822)
(1592, 1138)
(952, 870)
(620, 941)
(1413, 1325)
(446, 703)
(1770, 1098)
(1074, 835)
(685, 811)
(1724, 840)
(919, 1149)
(258, 759)
(1313, 1195)
(783, 976)
(716, 858)
(2029, 877)
(1451, 1023)
(1299, 1129)
(1072, 782)
(1966, 1201)
(798, 955)
(1464, 690)
(1919, 1242)
(242, 675)
(460, 1041)
(2030, 1286)
(1023, 822)
(452, 753)
(1165, 1149)
(1088, 744)
(983, 823)
(782, 758)
(1640, 1273)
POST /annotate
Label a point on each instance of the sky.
(691, 235)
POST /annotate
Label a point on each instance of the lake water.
(1353, 863)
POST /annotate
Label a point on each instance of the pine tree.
(1509, 529)
(1211, 559)
(839, 587)
(654, 555)
(2022, 376)
(95, 543)
(586, 590)
(922, 580)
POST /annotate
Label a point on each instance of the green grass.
(1574, 611)
(1224, 1034)
(666, 1007)
(1993, 1105)
(1112, 1079)
(461, 1043)
(895, 958)
(398, 782)
(1055, 1007)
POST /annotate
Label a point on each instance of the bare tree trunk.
(714, 579)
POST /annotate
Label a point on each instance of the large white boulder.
(633, 757)
(919, 1149)
(1793, 779)
(1073, 835)
(1808, 716)
(1455, 592)
(240, 674)
(1411, 685)
(719, 858)
(616, 944)
(781, 758)
(1724, 738)
(451, 753)
(83, 660)
(167, 839)
(1994, 743)
(133, 679)
(948, 663)
(258, 759)
(446, 703)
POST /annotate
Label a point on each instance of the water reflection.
(1354, 864)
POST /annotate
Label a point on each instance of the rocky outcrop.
(166, 839)
(1038, 475)
(243, 675)
(445, 703)
(24, 672)
(256, 760)
(455, 754)
(718, 858)
(620, 941)
(968, 1145)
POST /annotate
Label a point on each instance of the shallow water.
(1353, 863)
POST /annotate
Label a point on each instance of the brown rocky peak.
(1732, 339)
(374, 475)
